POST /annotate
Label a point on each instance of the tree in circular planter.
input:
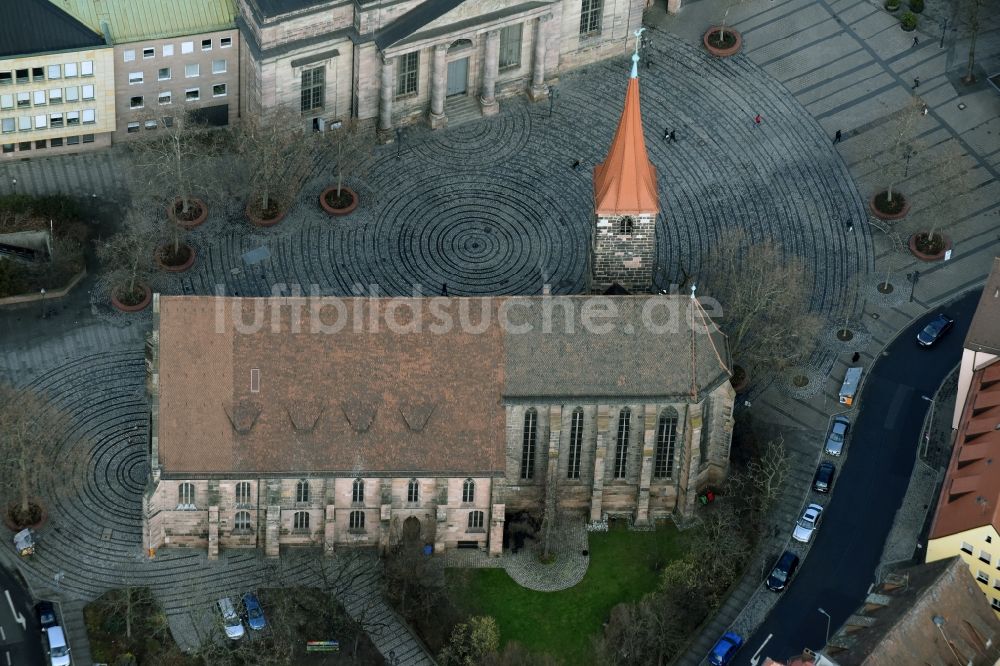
(35, 456)
(951, 168)
(352, 145)
(127, 258)
(720, 40)
(892, 5)
(177, 159)
(888, 203)
(275, 158)
(765, 302)
(908, 21)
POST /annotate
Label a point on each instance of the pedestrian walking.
(923, 111)
(673, 135)
(916, 41)
(756, 120)
(916, 81)
(576, 164)
(855, 357)
(837, 137)
(666, 134)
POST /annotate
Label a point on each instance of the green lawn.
(562, 623)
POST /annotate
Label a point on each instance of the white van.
(852, 380)
(58, 650)
(230, 620)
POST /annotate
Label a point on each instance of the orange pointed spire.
(625, 182)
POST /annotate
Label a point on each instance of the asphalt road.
(20, 639)
(868, 490)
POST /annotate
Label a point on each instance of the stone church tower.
(626, 203)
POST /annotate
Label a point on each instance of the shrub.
(916, 6)
(892, 5)
(909, 20)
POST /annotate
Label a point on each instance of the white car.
(808, 523)
(230, 619)
(58, 650)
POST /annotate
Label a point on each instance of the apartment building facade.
(56, 83)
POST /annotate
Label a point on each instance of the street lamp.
(827, 626)
(944, 27)
(553, 94)
(399, 141)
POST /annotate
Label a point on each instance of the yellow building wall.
(103, 80)
(979, 548)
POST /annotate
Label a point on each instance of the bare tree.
(176, 159)
(276, 157)
(951, 181)
(29, 426)
(550, 506)
(127, 256)
(730, 5)
(765, 299)
(352, 145)
(902, 146)
(767, 476)
(969, 12)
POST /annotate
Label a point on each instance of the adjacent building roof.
(136, 20)
(984, 331)
(36, 26)
(970, 495)
(625, 182)
(414, 20)
(404, 385)
(913, 616)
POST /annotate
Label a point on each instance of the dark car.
(725, 649)
(837, 435)
(253, 612)
(46, 614)
(782, 571)
(823, 480)
(936, 329)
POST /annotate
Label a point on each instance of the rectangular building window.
(40, 144)
(168, 49)
(164, 97)
(73, 118)
(225, 42)
(134, 78)
(72, 94)
(87, 68)
(982, 577)
(163, 74)
(70, 70)
(23, 100)
(666, 441)
(192, 70)
(24, 145)
(148, 52)
(590, 16)
(219, 66)
(39, 98)
(135, 102)
(6, 78)
(56, 142)
(41, 121)
(206, 44)
(22, 75)
(407, 69)
(985, 557)
(187, 47)
(313, 88)
(6, 101)
(8, 147)
(56, 120)
(192, 94)
(8, 125)
(72, 140)
(88, 92)
(128, 55)
(88, 138)
(89, 116)
(133, 128)
(37, 74)
(55, 71)
(966, 548)
(55, 96)
(24, 123)
(219, 90)
(510, 46)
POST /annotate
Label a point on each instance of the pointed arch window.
(356, 522)
(358, 491)
(413, 491)
(575, 444)
(302, 491)
(621, 447)
(476, 520)
(469, 491)
(185, 496)
(528, 441)
(666, 440)
(626, 225)
(300, 521)
(243, 493)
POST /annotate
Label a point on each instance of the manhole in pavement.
(106, 534)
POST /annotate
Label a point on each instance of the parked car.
(230, 619)
(807, 524)
(58, 649)
(46, 614)
(936, 329)
(838, 435)
(782, 572)
(253, 612)
(725, 649)
(823, 480)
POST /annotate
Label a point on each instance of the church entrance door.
(458, 77)
(411, 530)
